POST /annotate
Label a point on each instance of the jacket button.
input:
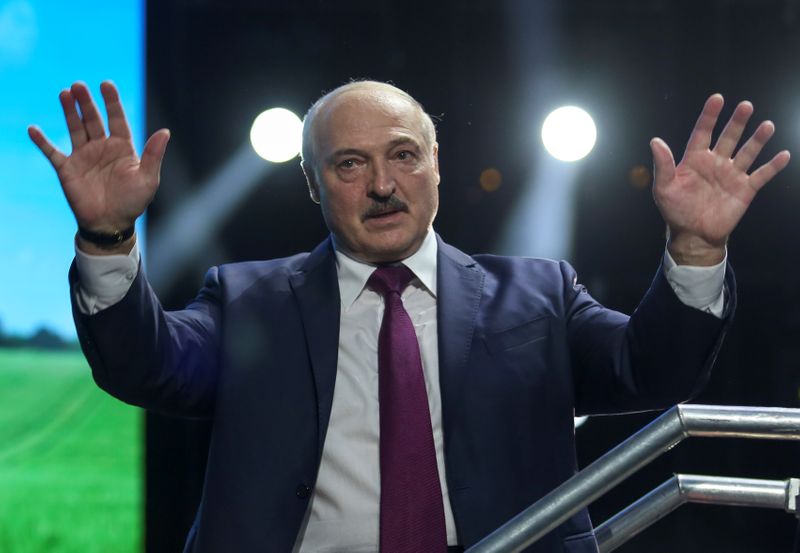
(302, 491)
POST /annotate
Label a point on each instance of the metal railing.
(664, 433)
(693, 488)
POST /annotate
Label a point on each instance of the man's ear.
(436, 161)
(311, 180)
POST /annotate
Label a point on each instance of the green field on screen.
(70, 459)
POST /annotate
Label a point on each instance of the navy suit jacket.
(522, 348)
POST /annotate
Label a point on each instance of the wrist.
(103, 239)
(693, 250)
(116, 247)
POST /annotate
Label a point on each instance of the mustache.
(390, 204)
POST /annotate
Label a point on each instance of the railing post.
(606, 472)
(691, 488)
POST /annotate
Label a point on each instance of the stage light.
(640, 177)
(569, 133)
(490, 179)
(276, 135)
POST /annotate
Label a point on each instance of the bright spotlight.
(569, 133)
(276, 135)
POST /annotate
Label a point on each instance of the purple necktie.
(412, 512)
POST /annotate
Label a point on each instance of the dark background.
(641, 67)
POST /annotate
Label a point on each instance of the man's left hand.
(703, 198)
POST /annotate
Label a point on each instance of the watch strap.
(105, 240)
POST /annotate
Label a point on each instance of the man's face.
(376, 176)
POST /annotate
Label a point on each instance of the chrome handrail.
(659, 436)
(693, 488)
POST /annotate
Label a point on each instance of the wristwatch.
(103, 240)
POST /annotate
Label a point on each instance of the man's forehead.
(361, 110)
(362, 103)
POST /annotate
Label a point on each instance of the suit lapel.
(316, 288)
(459, 288)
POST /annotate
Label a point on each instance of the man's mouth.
(383, 214)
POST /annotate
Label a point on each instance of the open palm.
(703, 198)
(106, 184)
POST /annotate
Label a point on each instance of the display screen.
(70, 455)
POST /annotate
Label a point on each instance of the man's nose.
(382, 183)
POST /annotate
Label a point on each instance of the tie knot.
(394, 278)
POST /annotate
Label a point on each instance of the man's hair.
(307, 153)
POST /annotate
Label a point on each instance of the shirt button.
(129, 276)
(302, 491)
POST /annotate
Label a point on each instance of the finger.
(117, 122)
(52, 153)
(663, 162)
(91, 117)
(77, 132)
(153, 154)
(727, 141)
(764, 174)
(700, 138)
(748, 153)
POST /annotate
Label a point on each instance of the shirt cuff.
(103, 279)
(699, 287)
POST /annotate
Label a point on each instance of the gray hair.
(307, 153)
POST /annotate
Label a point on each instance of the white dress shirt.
(345, 507)
(343, 514)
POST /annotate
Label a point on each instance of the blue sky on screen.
(45, 45)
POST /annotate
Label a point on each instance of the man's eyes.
(348, 163)
(353, 163)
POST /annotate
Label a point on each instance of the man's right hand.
(106, 184)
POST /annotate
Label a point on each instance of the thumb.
(663, 162)
(153, 154)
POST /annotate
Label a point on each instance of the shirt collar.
(353, 275)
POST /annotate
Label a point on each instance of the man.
(332, 430)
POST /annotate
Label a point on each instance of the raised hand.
(703, 198)
(106, 184)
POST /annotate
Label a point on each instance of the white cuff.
(698, 287)
(104, 279)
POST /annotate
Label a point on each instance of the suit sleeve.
(660, 356)
(145, 356)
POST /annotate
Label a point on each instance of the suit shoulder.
(265, 267)
(527, 275)
(491, 263)
(503, 263)
(242, 275)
